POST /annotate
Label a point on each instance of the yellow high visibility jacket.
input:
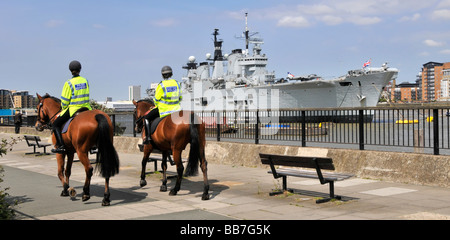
(75, 95)
(168, 97)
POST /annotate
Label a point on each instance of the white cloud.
(444, 4)
(446, 51)
(412, 18)
(357, 12)
(433, 43)
(54, 23)
(290, 21)
(331, 20)
(358, 20)
(441, 14)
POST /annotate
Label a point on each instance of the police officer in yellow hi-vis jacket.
(75, 95)
(167, 100)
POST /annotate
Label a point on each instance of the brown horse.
(87, 129)
(173, 133)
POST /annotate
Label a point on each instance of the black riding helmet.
(75, 66)
(166, 71)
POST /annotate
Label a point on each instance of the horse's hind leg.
(203, 165)
(180, 170)
(106, 201)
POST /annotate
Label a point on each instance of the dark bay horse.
(173, 133)
(88, 129)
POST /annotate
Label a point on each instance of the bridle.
(46, 122)
(139, 121)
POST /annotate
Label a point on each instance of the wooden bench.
(158, 157)
(35, 141)
(317, 163)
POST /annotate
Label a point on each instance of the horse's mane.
(54, 98)
(147, 100)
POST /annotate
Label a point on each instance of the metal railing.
(388, 127)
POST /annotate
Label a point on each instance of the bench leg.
(284, 188)
(332, 196)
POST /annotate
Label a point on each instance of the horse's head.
(47, 109)
(141, 108)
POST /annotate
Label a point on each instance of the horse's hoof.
(163, 188)
(72, 192)
(64, 193)
(85, 198)
(173, 192)
(142, 182)
(205, 196)
(106, 202)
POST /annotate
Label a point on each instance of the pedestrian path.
(236, 193)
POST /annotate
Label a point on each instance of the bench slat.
(312, 174)
(297, 161)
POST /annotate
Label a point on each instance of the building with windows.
(16, 99)
(445, 85)
(134, 93)
(432, 84)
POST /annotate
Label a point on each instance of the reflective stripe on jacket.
(168, 97)
(75, 95)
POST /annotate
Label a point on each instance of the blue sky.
(122, 43)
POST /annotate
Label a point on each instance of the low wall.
(413, 168)
(419, 169)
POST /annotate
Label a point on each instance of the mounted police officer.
(75, 95)
(167, 100)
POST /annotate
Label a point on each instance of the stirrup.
(146, 140)
(60, 149)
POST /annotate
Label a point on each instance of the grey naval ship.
(240, 80)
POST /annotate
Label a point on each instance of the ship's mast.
(217, 46)
(247, 40)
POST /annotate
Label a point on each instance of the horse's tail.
(194, 152)
(107, 158)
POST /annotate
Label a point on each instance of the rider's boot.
(147, 132)
(59, 142)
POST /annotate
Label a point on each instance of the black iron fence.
(416, 128)
(405, 128)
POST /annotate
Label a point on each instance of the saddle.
(66, 124)
(153, 125)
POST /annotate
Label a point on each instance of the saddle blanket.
(66, 125)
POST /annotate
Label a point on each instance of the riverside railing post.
(436, 131)
(114, 123)
(257, 128)
(134, 126)
(361, 129)
(218, 126)
(303, 129)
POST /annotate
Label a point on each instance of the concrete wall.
(420, 169)
(388, 166)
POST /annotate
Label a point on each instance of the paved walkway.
(236, 193)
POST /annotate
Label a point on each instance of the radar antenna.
(249, 36)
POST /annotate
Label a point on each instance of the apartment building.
(16, 99)
(433, 83)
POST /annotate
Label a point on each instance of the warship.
(240, 81)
